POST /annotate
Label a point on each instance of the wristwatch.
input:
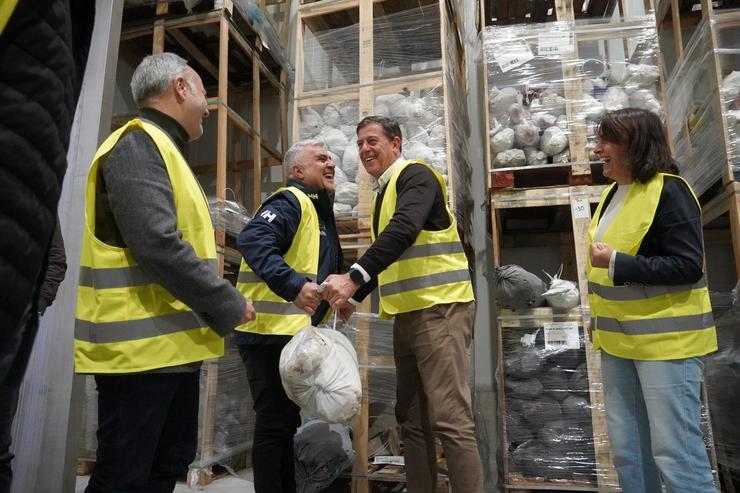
(356, 276)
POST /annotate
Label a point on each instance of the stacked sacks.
(420, 116)
(536, 114)
(517, 288)
(548, 415)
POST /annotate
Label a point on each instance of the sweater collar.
(168, 124)
(322, 201)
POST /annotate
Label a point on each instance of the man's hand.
(345, 311)
(601, 253)
(338, 288)
(249, 313)
(308, 299)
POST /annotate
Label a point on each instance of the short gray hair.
(155, 73)
(294, 155)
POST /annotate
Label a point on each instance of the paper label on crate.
(561, 335)
(558, 43)
(393, 460)
(581, 209)
(512, 54)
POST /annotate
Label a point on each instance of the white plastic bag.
(319, 371)
(562, 293)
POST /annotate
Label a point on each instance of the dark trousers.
(277, 419)
(147, 431)
(8, 406)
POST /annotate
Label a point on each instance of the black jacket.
(672, 251)
(43, 51)
(266, 239)
(55, 270)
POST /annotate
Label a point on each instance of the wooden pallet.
(574, 204)
(548, 175)
(581, 170)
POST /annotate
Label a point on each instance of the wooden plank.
(195, 20)
(240, 165)
(256, 139)
(677, 34)
(735, 229)
(543, 197)
(194, 51)
(360, 436)
(158, 35)
(446, 96)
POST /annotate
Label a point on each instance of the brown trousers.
(431, 348)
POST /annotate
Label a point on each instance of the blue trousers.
(653, 415)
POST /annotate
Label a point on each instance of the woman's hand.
(601, 254)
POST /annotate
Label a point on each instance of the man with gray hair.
(150, 305)
(289, 248)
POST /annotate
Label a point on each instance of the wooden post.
(158, 35)
(256, 125)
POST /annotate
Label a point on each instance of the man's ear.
(298, 172)
(181, 86)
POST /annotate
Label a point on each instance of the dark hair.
(390, 126)
(643, 135)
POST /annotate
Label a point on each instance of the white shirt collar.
(381, 182)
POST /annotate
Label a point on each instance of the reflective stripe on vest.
(432, 271)
(125, 322)
(645, 322)
(275, 315)
(120, 277)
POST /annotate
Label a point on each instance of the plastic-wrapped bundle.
(346, 193)
(722, 376)
(228, 214)
(232, 419)
(503, 140)
(529, 90)
(322, 452)
(517, 288)
(319, 371)
(510, 158)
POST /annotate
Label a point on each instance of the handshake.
(337, 290)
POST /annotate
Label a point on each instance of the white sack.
(553, 141)
(319, 371)
(346, 193)
(503, 140)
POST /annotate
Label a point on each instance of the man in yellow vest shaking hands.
(150, 305)
(289, 248)
(420, 268)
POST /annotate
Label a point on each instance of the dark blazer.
(672, 251)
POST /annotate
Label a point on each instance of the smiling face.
(317, 168)
(616, 165)
(377, 151)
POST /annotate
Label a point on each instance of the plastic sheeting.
(226, 418)
(694, 117)
(228, 214)
(545, 79)
(547, 420)
(434, 124)
(722, 377)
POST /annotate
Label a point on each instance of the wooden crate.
(706, 135)
(590, 71)
(240, 75)
(557, 216)
(350, 56)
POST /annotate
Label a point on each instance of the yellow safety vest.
(432, 271)
(6, 11)
(275, 315)
(125, 322)
(645, 322)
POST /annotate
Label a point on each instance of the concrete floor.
(241, 483)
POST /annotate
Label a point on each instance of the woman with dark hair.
(650, 310)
